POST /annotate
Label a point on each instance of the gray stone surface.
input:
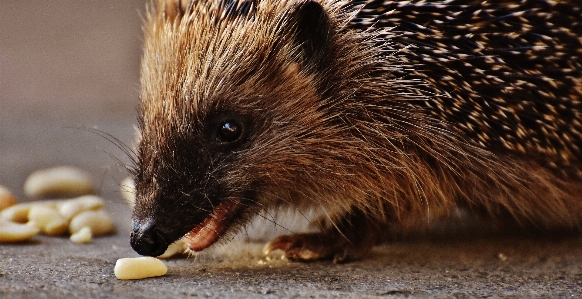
(68, 65)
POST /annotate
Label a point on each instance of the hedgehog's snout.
(146, 239)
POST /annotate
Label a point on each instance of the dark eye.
(229, 131)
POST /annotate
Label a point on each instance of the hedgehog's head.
(232, 116)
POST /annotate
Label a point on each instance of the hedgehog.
(381, 114)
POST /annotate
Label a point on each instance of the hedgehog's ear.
(313, 34)
(173, 9)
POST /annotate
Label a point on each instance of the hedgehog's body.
(377, 112)
(510, 74)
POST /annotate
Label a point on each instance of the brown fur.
(348, 136)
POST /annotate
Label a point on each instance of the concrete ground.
(67, 65)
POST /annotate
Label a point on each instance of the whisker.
(127, 150)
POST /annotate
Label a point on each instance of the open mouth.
(208, 232)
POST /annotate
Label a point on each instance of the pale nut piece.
(19, 212)
(6, 198)
(173, 250)
(11, 232)
(99, 222)
(83, 236)
(48, 220)
(55, 228)
(70, 208)
(127, 188)
(139, 268)
(16, 213)
(64, 181)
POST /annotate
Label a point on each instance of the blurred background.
(65, 66)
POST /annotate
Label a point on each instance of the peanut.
(139, 268)
(11, 232)
(48, 220)
(6, 198)
(128, 191)
(70, 208)
(83, 236)
(99, 222)
(58, 181)
(174, 249)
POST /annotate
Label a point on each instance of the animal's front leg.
(349, 237)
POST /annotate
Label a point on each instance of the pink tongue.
(210, 229)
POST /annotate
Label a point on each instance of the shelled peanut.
(83, 216)
(62, 181)
(55, 217)
(139, 268)
(6, 198)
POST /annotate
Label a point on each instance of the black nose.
(147, 240)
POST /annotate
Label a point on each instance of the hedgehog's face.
(189, 184)
(223, 131)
